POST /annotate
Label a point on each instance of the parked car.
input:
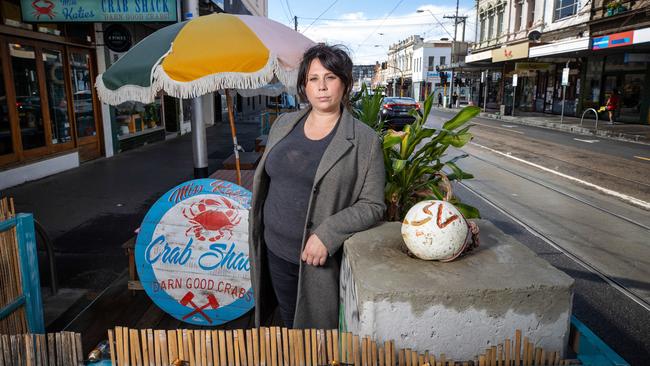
(395, 111)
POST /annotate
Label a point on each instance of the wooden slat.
(273, 346)
(278, 341)
(256, 346)
(235, 343)
(215, 348)
(267, 339)
(156, 346)
(263, 346)
(249, 347)
(223, 353)
(145, 347)
(285, 347)
(307, 335)
(241, 340)
(517, 349)
(229, 348)
(207, 336)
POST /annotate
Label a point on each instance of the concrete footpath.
(619, 131)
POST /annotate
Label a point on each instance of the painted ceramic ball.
(434, 230)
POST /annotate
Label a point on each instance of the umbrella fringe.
(126, 93)
(224, 80)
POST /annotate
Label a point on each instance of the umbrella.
(210, 53)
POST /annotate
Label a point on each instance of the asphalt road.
(534, 185)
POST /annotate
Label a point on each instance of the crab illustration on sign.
(208, 219)
(39, 9)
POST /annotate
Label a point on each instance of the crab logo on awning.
(192, 252)
(613, 40)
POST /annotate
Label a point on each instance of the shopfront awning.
(571, 45)
(479, 56)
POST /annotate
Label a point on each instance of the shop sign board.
(192, 252)
(641, 36)
(480, 56)
(117, 38)
(62, 11)
(612, 40)
(534, 66)
(565, 76)
(508, 53)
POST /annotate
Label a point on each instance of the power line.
(289, 8)
(382, 22)
(321, 14)
(285, 12)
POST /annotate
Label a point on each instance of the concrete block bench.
(458, 308)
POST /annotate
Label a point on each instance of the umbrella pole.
(199, 140)
(233, 132)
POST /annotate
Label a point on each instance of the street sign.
(514, 80)
(192, 252)
(565, 76)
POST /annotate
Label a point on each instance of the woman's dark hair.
(333, 58)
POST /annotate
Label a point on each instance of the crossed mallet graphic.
(187, 300)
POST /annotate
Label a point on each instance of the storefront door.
(83, 103)
(33, 85)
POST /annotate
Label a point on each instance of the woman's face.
(324, 89)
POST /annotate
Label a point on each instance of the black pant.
(284, 279)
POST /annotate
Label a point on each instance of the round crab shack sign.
(192, 252)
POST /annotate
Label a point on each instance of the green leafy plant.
(366, 106)
(417, 167)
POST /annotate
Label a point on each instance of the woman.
(612, 104)
(320, 180)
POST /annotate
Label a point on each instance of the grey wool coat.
(347, 197)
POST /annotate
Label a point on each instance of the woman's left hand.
(315, 252)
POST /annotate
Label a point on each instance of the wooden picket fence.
(53, 349)
(276, 346)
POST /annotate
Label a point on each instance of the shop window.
(6, 146)
(518, 15)
(57, 97)
(565, 8)
(500, 22)
(530, 5)
(491, 25)
(483, 31)
(135, 118)
(82, 97)
(28, 99)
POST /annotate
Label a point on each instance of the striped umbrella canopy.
(207, 54)
(254, 55)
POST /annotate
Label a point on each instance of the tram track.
(610, 280)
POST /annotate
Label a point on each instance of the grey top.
(291, 166)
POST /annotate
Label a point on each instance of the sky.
(367, 28)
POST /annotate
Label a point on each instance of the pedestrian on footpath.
(612, 104)
(320, 180)
(439, 100)
(454, 98)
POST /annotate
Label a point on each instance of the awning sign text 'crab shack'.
(192, 252)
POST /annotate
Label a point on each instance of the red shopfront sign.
(613, 40)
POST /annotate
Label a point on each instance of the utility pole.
(295, 22)
(199, 140)
(454, 45)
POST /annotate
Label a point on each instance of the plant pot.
(610, 12)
